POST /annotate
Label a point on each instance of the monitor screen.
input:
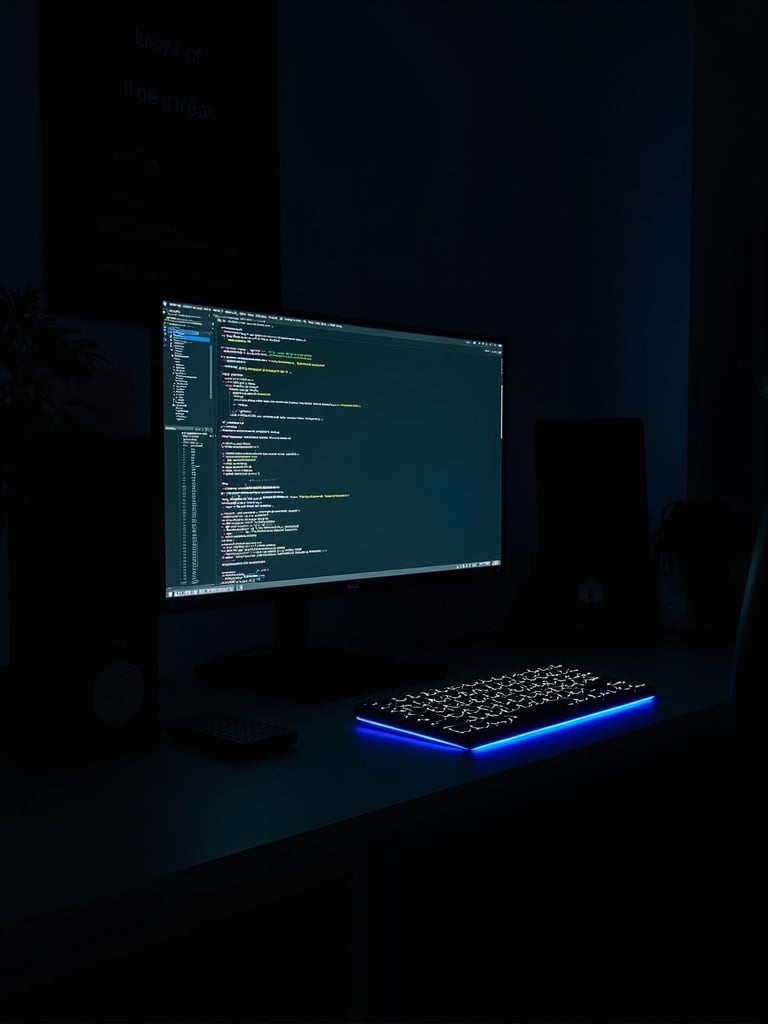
(302, 452)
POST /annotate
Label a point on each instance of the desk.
(105, 861)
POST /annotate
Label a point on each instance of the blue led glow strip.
(398, 730)
(540, 731)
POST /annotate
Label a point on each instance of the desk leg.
(372, 947)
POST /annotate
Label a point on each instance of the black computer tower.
(593, 575)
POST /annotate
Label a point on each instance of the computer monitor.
(306, 455)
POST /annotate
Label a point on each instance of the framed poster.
(160, 169)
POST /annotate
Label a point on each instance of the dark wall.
(728, 421)
(522, 168)
(519, 168)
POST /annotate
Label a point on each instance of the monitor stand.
(293, 668)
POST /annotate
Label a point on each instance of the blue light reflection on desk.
(407, 736)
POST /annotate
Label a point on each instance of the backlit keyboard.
(498, 709)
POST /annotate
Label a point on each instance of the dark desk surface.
(96, 856)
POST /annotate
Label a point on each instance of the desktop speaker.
(82, 617)
(593, 574)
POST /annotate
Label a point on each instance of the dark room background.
(584, 178)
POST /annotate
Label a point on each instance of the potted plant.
(43, 361)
